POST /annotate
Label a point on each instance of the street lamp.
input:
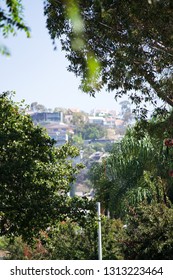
(99, 232)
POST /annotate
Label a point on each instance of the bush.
(149, 233)
(70, 241)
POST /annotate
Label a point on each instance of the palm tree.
(134, 173)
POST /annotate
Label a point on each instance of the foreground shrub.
(149, 233)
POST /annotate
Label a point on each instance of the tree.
(101, 184)
(35, 106)
(136, 171)
(92, 131)
(60, 109)
(35, 176)
(77, 141)
(78, 119)
(11, 20)
(126, 112)
(69, 241)
(149, 233)
(130, 40)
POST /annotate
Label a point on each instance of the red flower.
(168, 142)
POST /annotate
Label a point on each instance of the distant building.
(109, 122)
(53, 123)
(58, 131)
(47, 117)
(103, 113)
(96, 120)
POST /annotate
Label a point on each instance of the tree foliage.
(130, 40)
(149, 233)
(126, 112)
(71, 241)
(11, 20)
(78, 119)
(92, 131)
(35, 177)
(136, 171)
(11, 17)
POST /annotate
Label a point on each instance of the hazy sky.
(39, 74)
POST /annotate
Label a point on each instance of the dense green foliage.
(35, 177)
(71, 241)
(135, 183)
(149, 233)
(136, 171)
(130, 40)
(92, 131)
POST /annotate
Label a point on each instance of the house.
(119, 123)
(109, 122)
(47, 117)
(57, 131)
(96, 120)
(103, 113)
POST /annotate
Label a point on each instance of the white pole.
(99, 232)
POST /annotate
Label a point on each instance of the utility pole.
(99, 233)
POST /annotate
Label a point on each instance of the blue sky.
(37, 73)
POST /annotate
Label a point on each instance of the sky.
(37, 73)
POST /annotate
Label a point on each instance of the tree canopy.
(149, 234)
(92, 131)
(131, 41)
(35, 176)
